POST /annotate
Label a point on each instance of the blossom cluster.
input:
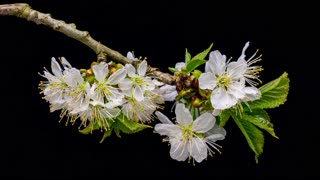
(100, 94)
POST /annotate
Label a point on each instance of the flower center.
(223, 80)
(188, 133)
(137, 80)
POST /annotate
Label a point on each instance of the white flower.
(54, 90)
(190, 138)
(137, 82)
(131, 56)
(140, 110)
(167, 92)
(77, 97)
(105, 87)
(251, 74)
(224, 79)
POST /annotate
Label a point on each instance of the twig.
(26, 12)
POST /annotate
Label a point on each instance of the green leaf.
(203, 54)
(260, 118)
(89, 128)
(187, 56)
(273, 93)
(224, 116)
(252, 134)
(129, 127)
(117, 131)
(173, 70)
(193, 64)
(106, 134)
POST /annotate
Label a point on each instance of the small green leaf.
(129, 127)
(106, 134)
(193, 64)
(90, 79)
(117, 131)
(203, 54)
(89, 128)
(187, 56)
(173, 70)
(223, 117)
(252, 134)
(260, 118)
(273, 93)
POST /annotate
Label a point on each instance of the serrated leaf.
(187, 56)
(260, 118)
(193, 64)
(203, 54)
(273, 93)
(89, 128)
(252, 134)
(129, 127)
(106, 134)
(223, 117)
(173, 70)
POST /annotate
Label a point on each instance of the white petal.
(56, 69)
(220, 99)
(168, 92)
(130, 70)
(215, 137)
(204, 123)
(216, 130)
(113, 93)
(237, 69)
(142, 68)
(117, 76)
(180, 65)
(251, 93)
(216, 63)
(198, 149)
(100, 71)
(163, 118)
(170, 130)
(73, 77)
(207, 81)
(125, 84)
(236, 89)
(130, 56)
(216, 112)
(138, 93)
(183, 115)
(179, 149)
(65, 63)
(242, 57)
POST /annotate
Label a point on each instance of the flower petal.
(117, 76)
(220, 99)
(73, 77)
(216, 63)
(204, 123)
(125, 84)
(170, 130)
(207, 81)
(242, 57)
(56, 69)
(237, 69)
(100, 71)
(183, 115)
(180, 65)
(163, 118)
(198, 149)
(179, 149)
(130, 70)
(142, 68)
(251, 93)
(65, 63)
(138, 93)
(236, 89)
(216, 130)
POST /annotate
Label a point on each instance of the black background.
(36, 145)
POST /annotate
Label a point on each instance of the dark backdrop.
(36, 145)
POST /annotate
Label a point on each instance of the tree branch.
(26, 12)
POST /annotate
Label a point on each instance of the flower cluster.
(124, 98)
(100, 94)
